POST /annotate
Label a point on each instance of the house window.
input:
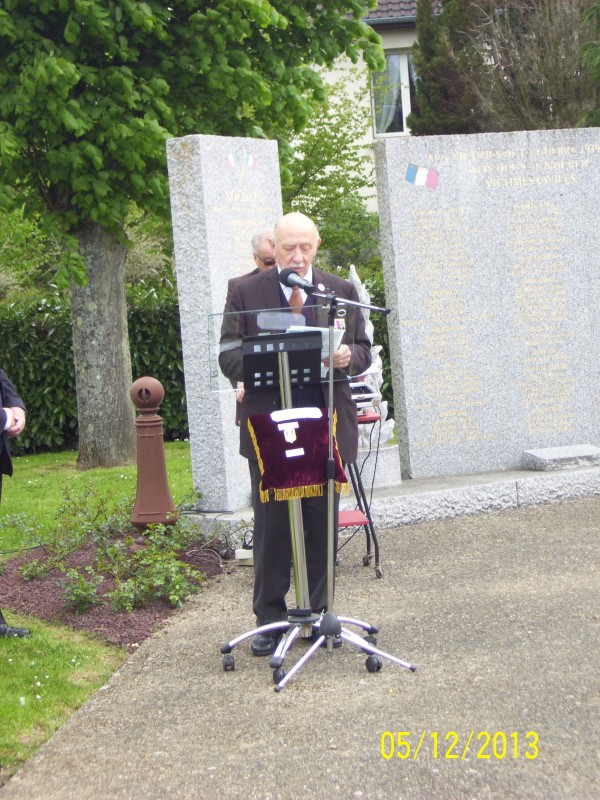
(392, 93)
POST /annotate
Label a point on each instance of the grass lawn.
(46, 677)
(37, 489)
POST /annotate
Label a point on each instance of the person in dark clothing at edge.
(12, 422)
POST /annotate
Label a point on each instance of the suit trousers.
(272, 551)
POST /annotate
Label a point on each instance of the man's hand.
(341, 357)
(18, 422)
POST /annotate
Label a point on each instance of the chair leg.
(363, 504)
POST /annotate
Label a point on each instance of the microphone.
(289, 277)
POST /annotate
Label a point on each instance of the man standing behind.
(12, 422)
(262, 252)
(296, 241)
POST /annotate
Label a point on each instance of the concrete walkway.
(499, 612)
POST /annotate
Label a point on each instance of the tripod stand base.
(331, 626)
(322, 629)
(298, 621)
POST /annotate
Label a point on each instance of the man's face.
(264, 258)
(296, 244)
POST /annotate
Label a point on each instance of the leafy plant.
(81, 588)
(331, 174)
(92, 91)
(142, 569)
(155, 573)
(85, 517)
(590, 58)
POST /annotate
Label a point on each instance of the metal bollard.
(153, 501)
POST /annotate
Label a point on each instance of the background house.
(395, 22)
(384, 97)
(393, 92)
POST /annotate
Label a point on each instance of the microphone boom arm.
(342, 301)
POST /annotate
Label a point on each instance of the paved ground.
(500, 614)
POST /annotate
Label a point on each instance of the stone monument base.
(553, 458)
(432, 499)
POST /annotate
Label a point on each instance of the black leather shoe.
(6, 630)
(263, 644)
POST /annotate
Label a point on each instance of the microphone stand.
(330, 626)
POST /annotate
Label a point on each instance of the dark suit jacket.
(8, 399)
(263, 292)
(233, 282)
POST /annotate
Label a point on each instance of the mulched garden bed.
(44, 598)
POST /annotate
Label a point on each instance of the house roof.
(389, 9)
(397, 10)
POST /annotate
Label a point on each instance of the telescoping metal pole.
(294, 506)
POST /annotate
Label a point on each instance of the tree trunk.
(105, 412)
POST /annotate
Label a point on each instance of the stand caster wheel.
(373, 664)
(371, 640)
(278, 675)
(366, 561)
(378, 572)
(228, 663)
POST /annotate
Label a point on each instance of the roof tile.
(396, 9)
(393, 8)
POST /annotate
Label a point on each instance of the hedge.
(37, 356)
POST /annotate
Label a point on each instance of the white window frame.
(404, 93)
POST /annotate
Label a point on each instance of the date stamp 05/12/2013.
(483, 745)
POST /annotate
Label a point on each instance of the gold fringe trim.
(298, 492)
(261, 466)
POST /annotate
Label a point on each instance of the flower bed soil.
(43, 598)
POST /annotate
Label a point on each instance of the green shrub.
(142, 568)
(80, 588)
(37, 356)
(45, 378)
(155, 344)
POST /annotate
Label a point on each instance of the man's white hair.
(258, 237)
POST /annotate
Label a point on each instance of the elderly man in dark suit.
(296, 241)
(12, 422)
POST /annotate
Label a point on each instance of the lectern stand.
(295, 363)
(283, 361)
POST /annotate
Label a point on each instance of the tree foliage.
(530, 75)
(332, 173)
(502, 65)
(28, 258)
(590, 58)
(90, 90)
(443, 56)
